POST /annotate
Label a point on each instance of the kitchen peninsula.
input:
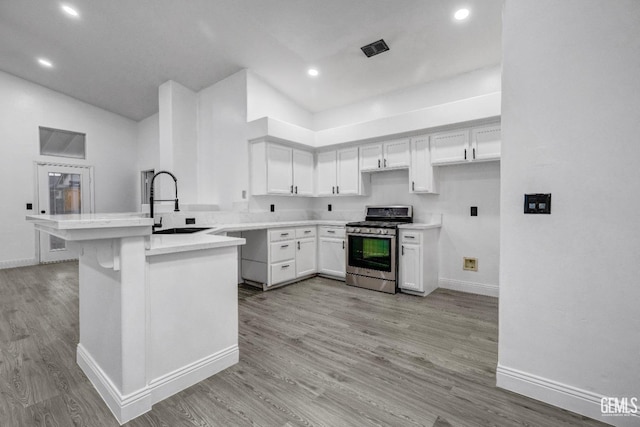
(158, 313)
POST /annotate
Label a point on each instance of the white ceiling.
(118, 52)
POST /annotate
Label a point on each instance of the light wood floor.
(317, 353)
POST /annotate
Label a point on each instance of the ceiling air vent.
(375, 48)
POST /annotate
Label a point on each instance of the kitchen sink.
(186, 230)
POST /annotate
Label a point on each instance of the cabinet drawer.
(411, 237)
(282, 272)
(303, 232)
(337, 232)
(282, 251)
(279, 234)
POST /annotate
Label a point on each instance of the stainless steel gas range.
(372, 248)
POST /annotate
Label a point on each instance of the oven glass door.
(371, 252)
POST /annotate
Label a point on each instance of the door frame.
(36, 195)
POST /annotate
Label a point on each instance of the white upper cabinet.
(466, 145)
(302, 173)
(422, 175)
(449, 147)
(337, 173)
(396, 154)
(387, 155)
(370, 157)
(277, 169)
(326, 173)
(348, 175)
(486, 142)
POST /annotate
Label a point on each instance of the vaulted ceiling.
(117, 52)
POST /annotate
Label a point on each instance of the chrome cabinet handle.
(413, 186)
(285, 266)
(298, 245)
(474, 153)
(331, 231)
(337, 189)
(402, 250)
(465, 154)
(284, 234)
(292, 189)
(385, 163)
(410, 237)
(284, 246)
(343, 244)
(333, 190)
(378, 162)
(296, 189)
(307, 231)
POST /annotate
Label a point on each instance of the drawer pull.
(331, 231)
(284, 234)
(284, 246)
(343, 244)
(298, 245)
(285, 266)
(410, 237)
(307, 231)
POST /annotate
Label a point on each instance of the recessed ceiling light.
(461, 14)
(45, 62)
(312, 72)
(70, 11)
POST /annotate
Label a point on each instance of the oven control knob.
(357, 230)
(383, 231)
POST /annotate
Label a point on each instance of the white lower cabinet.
(305, 257)
(331, 252)
(418, 261)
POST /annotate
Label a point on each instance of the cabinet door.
(396, 154)
(302, 173)
(279, 169)
(326, 173)
(331, 257)
(348, 175)
(450, 147)
(371, 157)
(410, 268)
(486, 142)
(305, 257)
(422, 179)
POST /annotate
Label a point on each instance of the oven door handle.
(379, 236)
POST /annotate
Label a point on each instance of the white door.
(326, 173)
(421, 170)
(371, 157)
(305, 257)
(450, 147)
(62, 189)
(486, 143)
(279, 169)
(302, 173)
(348, 181)
(410, 268)
(331, 257)
(396, 154)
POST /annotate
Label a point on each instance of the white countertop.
(90, 220)
(246, 226)
(420, 226)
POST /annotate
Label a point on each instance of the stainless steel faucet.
(151, 201)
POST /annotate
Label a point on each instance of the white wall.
(223, 160)
(265, 101)
(468, 85)
(111, 149)
(178, 141)
(461, 186)
(569, 281)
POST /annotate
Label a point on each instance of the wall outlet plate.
(273, 208)
(474, 211)
(470, 264)
(190, 221)
(329, 207)
(538, 203)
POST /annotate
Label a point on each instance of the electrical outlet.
(474, 211)
(329, 207)
(189, 221)
(273, 208)
(470, 264)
